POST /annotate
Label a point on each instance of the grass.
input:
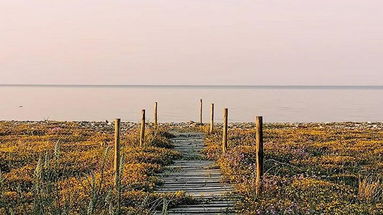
(66, 168)
(331, 168)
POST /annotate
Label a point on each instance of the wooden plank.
(197, 177)
(211, 128)
(142, 131)
(192, 180)
(116, 166)
(156, 114)
(204, 186)
(215, 205)
(191, 174)
(201, 209)
(225, 126)
(200, 112)
(259, 153)
(194, 189)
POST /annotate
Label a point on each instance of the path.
(197, 177)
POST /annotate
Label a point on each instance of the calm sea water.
(177, 103)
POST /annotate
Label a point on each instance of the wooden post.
(116, 151)
(200, 112)
(211, 119)
(142, 133)
(259, 153)
(224, 136)
(155, 114)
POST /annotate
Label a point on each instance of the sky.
(249, 42)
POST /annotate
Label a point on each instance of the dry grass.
(66, 168)
(310, 168)
(370, 189)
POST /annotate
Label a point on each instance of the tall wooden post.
(224, 136)
(142, 132)
(200, 112)
(259, 153)
(211, 119)
(116, 151)
(156, 114)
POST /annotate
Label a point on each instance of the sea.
(181, 103)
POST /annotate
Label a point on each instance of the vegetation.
(309, 168)
(67, 168)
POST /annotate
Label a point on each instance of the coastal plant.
(309, 168)
(46, 195)
(65, 168)
(119, 185)
(96, 187)
(370, 189)
(2, 202)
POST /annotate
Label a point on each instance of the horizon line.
(201, 86)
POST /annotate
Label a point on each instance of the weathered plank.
(199, 178)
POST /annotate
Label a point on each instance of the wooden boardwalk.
(197, 177)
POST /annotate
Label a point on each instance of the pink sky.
(322, 42)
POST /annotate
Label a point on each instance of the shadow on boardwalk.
(197, 177)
